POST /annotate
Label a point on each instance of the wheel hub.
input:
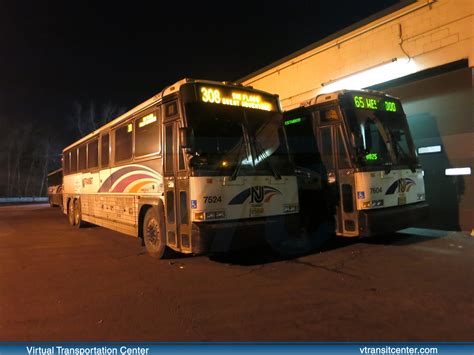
(152, 232)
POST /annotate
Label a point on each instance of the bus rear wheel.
(78, 214)
(154, 234)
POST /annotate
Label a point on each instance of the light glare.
(373, 76)
(458, 171)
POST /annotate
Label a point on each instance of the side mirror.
(186, 138)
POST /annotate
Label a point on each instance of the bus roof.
(171, 89)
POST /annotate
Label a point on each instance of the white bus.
(202, 166)
(55, 188)
(356, 161)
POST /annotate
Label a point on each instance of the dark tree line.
(29, 150)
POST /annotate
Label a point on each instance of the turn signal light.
(199, 216)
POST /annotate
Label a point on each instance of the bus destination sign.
(231, 97)
(369, 102)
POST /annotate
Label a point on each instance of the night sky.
(53, 54)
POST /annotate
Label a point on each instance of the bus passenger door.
(182, 194)
(347, 211)
(329, 184)
(339, 191)
(176, 187)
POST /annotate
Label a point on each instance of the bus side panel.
(113, 211)
(110, 198)
(71, 189)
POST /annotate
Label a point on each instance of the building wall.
(432, 33)
(440, 112)
(422, 35)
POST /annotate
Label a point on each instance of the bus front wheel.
(154, 234)
(71, 213)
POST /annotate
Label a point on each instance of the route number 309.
(210, 95)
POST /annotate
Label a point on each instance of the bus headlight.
(211, 215)
(420, 197)
(290, 208)
(220, 214)
(214, 215)
(374, 203)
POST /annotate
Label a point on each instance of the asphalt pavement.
(59, 283)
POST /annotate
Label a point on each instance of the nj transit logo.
(257, 194)
(400, 185)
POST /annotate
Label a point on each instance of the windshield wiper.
(262, 156)
(386, 138)
(411, 161)
(238, 164)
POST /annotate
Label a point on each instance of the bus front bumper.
(392, 219)
(217, 237)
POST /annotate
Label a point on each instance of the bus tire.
(154, 233)
(71, 212)
(78, 222)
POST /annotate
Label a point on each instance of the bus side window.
(181, 165)
(326, 148)
(329, 115)
(147, 134)
(343, 158)
(171, 109)
(123, 148)
(66, 162)
(93, 154)
(301, 141)
(82, 157)
(104, 150)
(169, 168)
(73, 160)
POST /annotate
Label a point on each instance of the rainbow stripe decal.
(132, 179)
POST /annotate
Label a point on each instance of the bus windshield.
(381, 138)
(234, 141)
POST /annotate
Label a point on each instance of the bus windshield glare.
(233, 141)
(380, 132)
